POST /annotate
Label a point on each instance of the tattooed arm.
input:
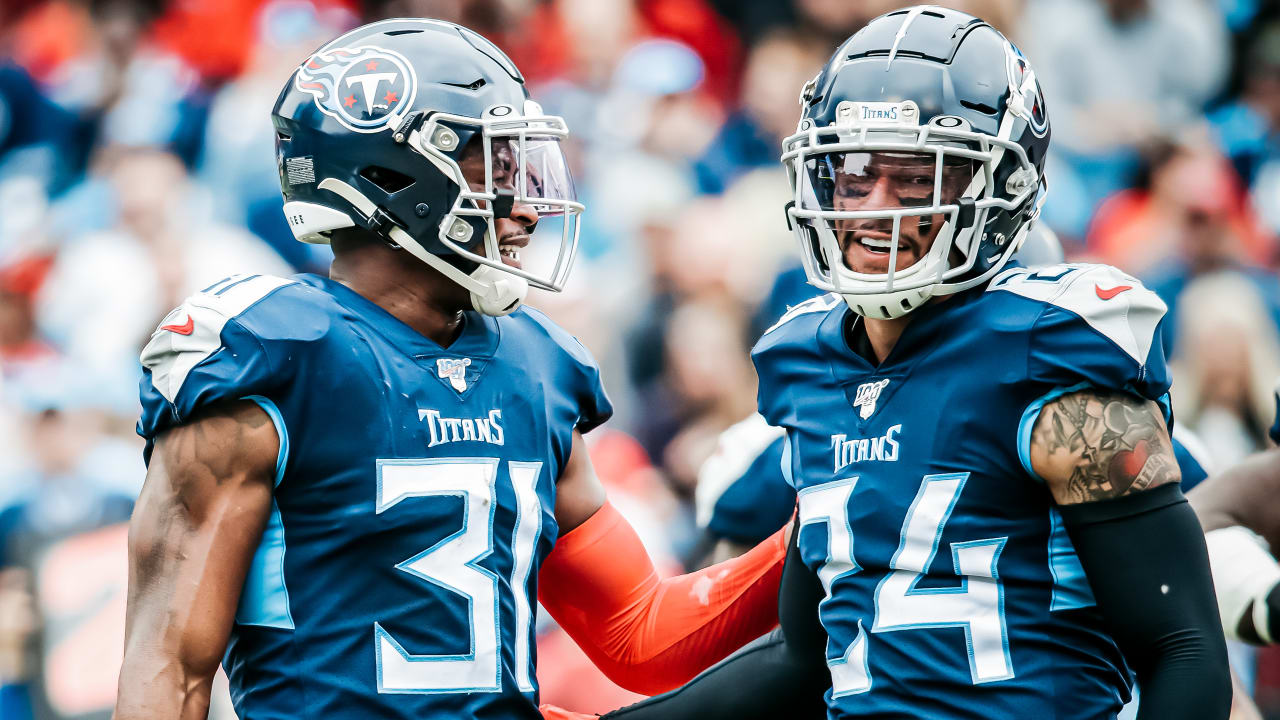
(1092, 445)
(1109, 465)
(193, 534)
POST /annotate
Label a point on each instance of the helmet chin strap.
(493, 292)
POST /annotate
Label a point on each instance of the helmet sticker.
(364, 88)
(1025, 97)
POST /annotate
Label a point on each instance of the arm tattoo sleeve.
(1092, 445)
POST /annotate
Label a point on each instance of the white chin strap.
(493, 292)
(886, 306)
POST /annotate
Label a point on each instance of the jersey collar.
(478, 339)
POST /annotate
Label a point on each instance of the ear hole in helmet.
(387, 180)
(981, 107)
(473, 85)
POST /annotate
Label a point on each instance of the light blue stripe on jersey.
(786, 460)
(1028, 422)
(264, 600)
(1070, 586)
(277, 419)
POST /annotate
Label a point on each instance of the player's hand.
(551, 712)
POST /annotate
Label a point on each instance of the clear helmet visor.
(875, 200)
(882, 180)
(526, 172)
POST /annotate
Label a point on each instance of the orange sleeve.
(647, 634)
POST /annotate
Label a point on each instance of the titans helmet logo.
(1025, 97)
(364, 88)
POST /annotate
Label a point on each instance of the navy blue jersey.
(414, 493)
(743, 496)
(952, 587)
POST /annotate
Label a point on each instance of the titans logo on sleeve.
(952, 589)
(414, 496)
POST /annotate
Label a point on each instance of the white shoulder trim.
(822, 303)
(737, 447)
(193, 331)
(1110, 301)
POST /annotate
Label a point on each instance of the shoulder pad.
(572, 365)
(820, 304)
(1112, 302)
(736, 450)
(193, 331)
(560, 337)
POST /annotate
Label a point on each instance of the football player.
(990, 518)
(742, 496)
(355, 482)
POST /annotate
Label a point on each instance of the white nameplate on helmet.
(850, 113)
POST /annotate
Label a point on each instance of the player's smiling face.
(891, 181)
(514, 230)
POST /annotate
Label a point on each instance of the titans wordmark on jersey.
(414, 493)
(952, 588)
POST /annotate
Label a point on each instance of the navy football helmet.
(370, 131)
(944, 104)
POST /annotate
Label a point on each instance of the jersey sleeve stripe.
(277, 419)
(1070, 585)
(1028, 422)
(264, 601)
(265, 598)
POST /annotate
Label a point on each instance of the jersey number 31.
(453, 563)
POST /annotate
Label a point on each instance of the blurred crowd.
(136, 166)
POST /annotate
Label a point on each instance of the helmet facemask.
(880, 180)
(524, 165)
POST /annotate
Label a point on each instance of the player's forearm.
(782, 674)
(1146, 562)
(192, 537)
(172, 646)
(646, 634)
(154, 686)
(762, 680)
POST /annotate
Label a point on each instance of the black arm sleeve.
(1145, 557)
(783, 674)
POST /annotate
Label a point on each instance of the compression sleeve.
(649, 634)
(1145, 558)
(781, 675)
